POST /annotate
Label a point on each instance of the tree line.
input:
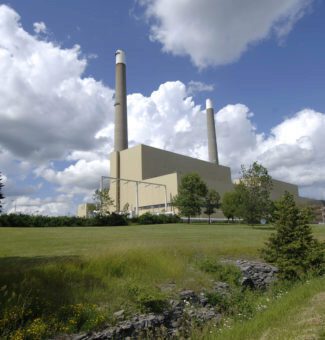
(249, 201)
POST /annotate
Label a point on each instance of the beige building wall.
(280, 187)
(85, 209)
(148, 164)
(145, 163)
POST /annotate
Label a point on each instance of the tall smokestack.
(212, 141)
(121, 120)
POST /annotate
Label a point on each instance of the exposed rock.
(202, 299)
(167, 287)
(190, 308)
(119, 315)
(187, 295)
(183, 311)
(221, 287)
(257, 275)
(247, 282)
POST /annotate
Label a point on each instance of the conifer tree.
(293, 249)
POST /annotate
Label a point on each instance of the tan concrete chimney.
(121, 119)
(212, 141)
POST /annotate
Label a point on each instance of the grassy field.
(67, 279)
(230, 240)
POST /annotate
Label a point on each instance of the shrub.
(237, 303)
(149, 218)
(153, 303)
(147, 299)
(24, 220)
(222, 272)
(109, 220)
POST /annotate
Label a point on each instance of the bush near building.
(149, 218)
(24, 220)
(37, 221)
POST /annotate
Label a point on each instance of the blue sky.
(274, 79)
(255, 57)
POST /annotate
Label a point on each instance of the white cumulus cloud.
(61, 205)
(80, 178)
(47, 108)
(39, 27)
(292, 151)
(48, 111)
(194, 87)
(216, 32)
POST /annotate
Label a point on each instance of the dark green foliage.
(230, 203)
(253, 194)
(1, 194)
(149, 218)
(153, 303)
(109, 220)
(293, 249)
(191, 194)
(147, 298)
(237, 303)
(22, 220)
(212, 202)
(221, 272)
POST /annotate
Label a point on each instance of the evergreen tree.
(191, 194)
(212, 202)
(293, 249)
(1, 194)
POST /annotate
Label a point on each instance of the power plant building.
(144, 178)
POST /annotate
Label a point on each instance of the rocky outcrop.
(256, 275)
(187, 309)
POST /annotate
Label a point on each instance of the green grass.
(228, 240)
(69, 279)
(296, 313)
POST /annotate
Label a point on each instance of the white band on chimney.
(209, 104)
(120, 57)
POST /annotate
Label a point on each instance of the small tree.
(191, 194)
(1, 194)
(229, 205)
(125, 209)
(212, 202)
(293, 248)
(103, 201)
(254, 191)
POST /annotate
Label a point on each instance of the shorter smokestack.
(121, 119)
(212, 141)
